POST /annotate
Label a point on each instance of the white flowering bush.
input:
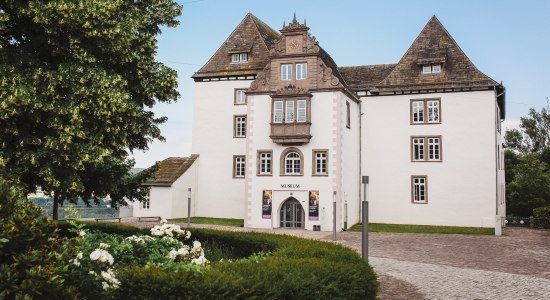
(167, 247)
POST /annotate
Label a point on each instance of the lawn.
(212, 221)
(379, 227)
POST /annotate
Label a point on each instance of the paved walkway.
(440, 266)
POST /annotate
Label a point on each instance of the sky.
(507, 40)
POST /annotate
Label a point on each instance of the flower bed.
(247, 265)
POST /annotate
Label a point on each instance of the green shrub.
(294, 269)
(32, 257)
(541, 217)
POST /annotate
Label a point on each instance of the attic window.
(431, 69)
(239, 58)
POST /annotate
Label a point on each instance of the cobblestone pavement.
(441, 266)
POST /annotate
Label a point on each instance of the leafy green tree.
(529, 186)
(78, 80)
(534, 135)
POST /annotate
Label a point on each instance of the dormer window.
(238, 58)
(431, 69)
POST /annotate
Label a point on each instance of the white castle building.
(281, 132)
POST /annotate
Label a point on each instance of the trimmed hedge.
(541, 217)
(296, 269)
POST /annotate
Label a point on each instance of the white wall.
(326, 109)
(180, 192)
(350, 162)
(461, 188)
(219, 194)
(160, 204)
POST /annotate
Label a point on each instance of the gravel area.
(446, 266)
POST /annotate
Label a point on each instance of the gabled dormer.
(297, 67)
(243, 54)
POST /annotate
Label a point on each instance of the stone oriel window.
(293, 110)
(425, 111)
(292, 162)
(419, 189)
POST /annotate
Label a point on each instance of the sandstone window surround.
(320, 163)
(292, 162)
(425, 111)
(239, 126)
(240, 97)
(239, 166)
(426, 149)
(265, 163)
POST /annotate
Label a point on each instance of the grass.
(212, 221)
(380, 227)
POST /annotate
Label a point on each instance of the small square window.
(240, 97)
(436, 68)
(235, 58)
(301, 71)
(243, 57)
(286, 72)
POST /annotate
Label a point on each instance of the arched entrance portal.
(292, 214)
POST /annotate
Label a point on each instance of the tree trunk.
(55, 207)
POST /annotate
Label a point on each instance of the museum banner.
(266, 204)
(314, 205)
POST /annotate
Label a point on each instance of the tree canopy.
(78, 80)
(527, 163)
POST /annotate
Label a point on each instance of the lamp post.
(334, 215)
(189, 208)
(365, 220)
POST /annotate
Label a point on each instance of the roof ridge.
(373, 65)
(256, 20)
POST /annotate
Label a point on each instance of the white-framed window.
(431, 69)
(240, 96)
(278, 111)
(418, 149)
(286, 72)
(434, 148)
(419, 186)
(293, 163)
(301, 115)
(426, 148)
(264, 162)
(238, 166)
(240, 126)
(418, 112)
(289, 111)
(433, 111)
(301, 71)
(426, 111)
(239, 58)
(320, 162)
(146, 204)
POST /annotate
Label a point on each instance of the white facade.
(461, 187)
(446, 171)
(170, 202)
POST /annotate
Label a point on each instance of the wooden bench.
(140, 219)
(107, 219)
